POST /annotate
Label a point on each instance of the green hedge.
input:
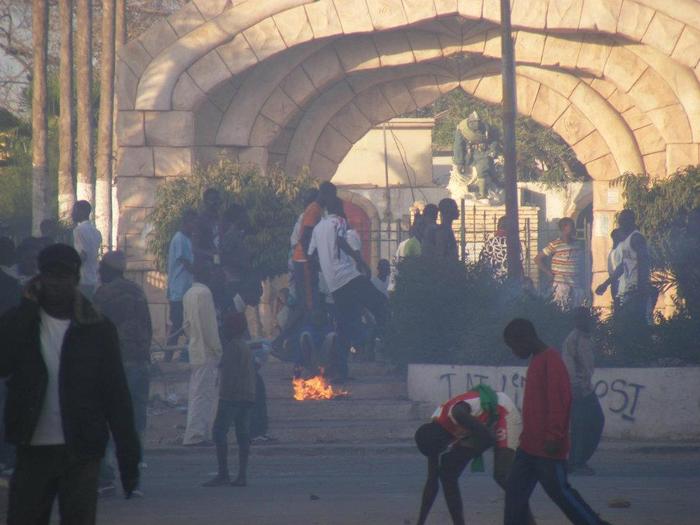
(444, 312)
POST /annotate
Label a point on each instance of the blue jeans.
(527, 471)
(587, 422)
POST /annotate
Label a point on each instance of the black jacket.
(10, 292)
(92, 386)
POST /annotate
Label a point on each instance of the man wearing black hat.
(66, 393)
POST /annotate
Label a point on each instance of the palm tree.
(83, 66)
(120, 25)
(103, 183)
(40, 200)
(66, 188)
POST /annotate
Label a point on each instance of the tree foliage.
(663, 208)
(543, 155)
(272, 200)
(16, 159)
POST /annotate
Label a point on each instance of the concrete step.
(348, 409)
(167, 427)
(367, 382)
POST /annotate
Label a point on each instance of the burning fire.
(315, 388)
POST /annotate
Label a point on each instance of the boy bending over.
(462, 429)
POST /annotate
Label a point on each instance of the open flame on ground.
(315, 388)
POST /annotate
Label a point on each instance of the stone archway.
(297, 82)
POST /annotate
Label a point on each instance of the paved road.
(361, 488)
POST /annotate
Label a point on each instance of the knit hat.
(116, 260)
(59, 258)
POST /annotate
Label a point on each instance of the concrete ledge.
(639, 403)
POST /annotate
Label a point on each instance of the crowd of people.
(78, 351)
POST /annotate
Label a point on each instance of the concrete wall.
(639, 403)
(408, 153)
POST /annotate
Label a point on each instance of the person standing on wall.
(86, 241)
(587, 419)
(180, 261)
(633, 273)
(614, 262)
(66, 393)
(440, 240)
(566, 266)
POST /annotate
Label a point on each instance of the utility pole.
(515, 269)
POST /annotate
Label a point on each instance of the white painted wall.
(639, 403)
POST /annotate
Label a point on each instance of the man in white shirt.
(86, 241)
(205, 353)
(351, 288)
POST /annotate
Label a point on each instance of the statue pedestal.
(459, 188)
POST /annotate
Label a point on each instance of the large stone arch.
(298, 81)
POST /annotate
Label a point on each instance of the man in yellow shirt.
(205, 352)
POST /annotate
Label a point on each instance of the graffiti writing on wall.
(619, 397)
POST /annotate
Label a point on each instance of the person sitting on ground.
(461, 430)
(544, 442)
(587, 418)
(236, 400)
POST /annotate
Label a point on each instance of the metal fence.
(477, 223)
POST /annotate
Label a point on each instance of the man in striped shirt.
(565, 266)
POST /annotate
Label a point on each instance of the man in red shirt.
(544, 442)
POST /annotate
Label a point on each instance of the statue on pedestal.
(474, 172)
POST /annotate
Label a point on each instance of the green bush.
(624, 340)
(663, 209)
(446, 312)
(273, 202)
